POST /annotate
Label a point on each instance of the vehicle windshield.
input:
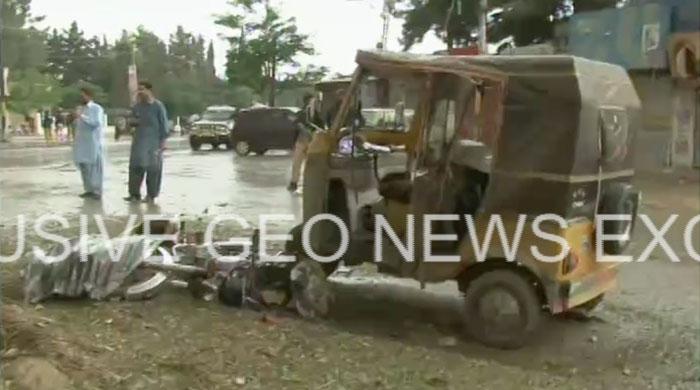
(218, 115)
(378, 118)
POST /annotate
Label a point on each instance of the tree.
(48, 68)
(455, 21)
(24, 51)
(70, 96)
(73, 57)
(76, 60)
(24, 46)
(211, 63)
(120, 55)
(181, 51)
(259, 48)
(32, 90)
(305, 77)
(190, 83)
(530, 21)
(420, 17)
(151, 57)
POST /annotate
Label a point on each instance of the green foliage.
(49, 67)
(262, 43)
(70, 96)
(182, 70)
(31, 90)
(454, 21)
(530, 21)
(73, 57)
(23, 44)
(241, 96)
(304, 77)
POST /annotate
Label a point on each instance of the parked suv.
(214, 127)
(261, 129)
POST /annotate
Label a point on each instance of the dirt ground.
(381, 334)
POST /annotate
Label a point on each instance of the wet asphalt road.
(649, 324)
(39, 181)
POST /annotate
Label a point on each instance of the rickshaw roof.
(546, 123)
(486, 66)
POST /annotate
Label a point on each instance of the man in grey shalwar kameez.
(87, 150)
(147, 145)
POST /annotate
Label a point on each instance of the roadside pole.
(132, 76)
(3, 82)
(483, 11)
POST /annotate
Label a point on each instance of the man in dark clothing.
(338, 101)
(308, 120)
(47, 124)
(147, 145)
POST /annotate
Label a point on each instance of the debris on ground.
(310, 288)
(136, 268)
(448, 341)
(89, 270)
(32, 373)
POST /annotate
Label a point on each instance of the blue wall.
(617, 35)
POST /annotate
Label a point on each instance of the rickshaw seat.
(396, 186)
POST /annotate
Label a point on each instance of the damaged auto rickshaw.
(510, 137)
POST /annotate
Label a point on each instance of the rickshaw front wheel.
(295, 246)
(502, 309)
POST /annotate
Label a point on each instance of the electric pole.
(132, 76)
(3, 92)
(388, 9)
(483, 11)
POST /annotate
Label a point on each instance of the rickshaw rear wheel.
(502, 309)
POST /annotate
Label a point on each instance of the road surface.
(383, 333)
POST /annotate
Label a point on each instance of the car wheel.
(502, 309)
(242, 148)
(194, 144)
(261, 152)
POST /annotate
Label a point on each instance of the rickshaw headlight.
(345, 145)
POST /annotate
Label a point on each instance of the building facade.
(658, 42)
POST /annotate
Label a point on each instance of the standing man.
(88, 144)
(335, 108)
(308, 120)
(147, 144)
(46, 122)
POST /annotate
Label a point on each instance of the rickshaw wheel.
(502, 309)
(294, 246)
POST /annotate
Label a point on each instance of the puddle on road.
(192, 184)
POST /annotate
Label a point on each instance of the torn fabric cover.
(98, 278)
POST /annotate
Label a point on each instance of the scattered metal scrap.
(186, 262)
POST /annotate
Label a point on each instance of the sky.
(337, 28)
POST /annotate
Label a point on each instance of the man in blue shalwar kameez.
(147, 145)
(87, 150)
